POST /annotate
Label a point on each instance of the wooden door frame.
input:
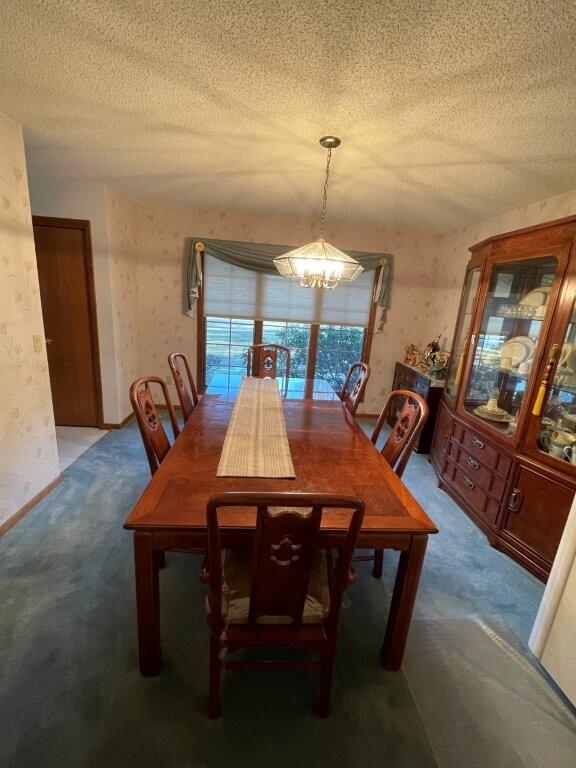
(84, 226)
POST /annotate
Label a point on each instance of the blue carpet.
(71, 694)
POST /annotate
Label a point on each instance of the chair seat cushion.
(236, 591)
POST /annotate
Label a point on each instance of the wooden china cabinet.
(505, 441)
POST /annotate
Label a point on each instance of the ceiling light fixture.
(319, 264)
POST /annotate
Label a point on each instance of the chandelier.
(319, 264)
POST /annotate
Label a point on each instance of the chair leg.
(204, 574)
(378, 563)
(215, 675)
(326, 672)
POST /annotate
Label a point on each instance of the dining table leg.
(147, 604)
(402, 605)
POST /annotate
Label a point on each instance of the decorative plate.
(518, 349)
(536, 298)
(493, 414)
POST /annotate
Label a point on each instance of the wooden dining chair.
(281, 592)
(188, 397)
(154, 435)
(262, 362)
(156, 442)
(352, 398)
(398, 448)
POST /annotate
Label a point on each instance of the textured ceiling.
(450, 111)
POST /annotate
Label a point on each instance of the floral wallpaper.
(140, 291)
(161, 231)
(28, 456)
(122, 250)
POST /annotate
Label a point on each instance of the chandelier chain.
(325, 195)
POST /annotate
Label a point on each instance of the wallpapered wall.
(28, 457)
(163, 326)
(91, 201)
(453, 254)
(122, 252)
(138, 250)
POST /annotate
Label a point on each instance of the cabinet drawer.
(468, 489)
(488, 455)
(477, 472)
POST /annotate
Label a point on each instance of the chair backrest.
(353, 398)
(409, 423)
(154, 435)
(285, 550)
(188, 397)
(263, 361)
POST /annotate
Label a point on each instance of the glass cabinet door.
(461, 334)
(507, 339)
(557, 428)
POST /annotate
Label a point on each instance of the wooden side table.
(406, 377)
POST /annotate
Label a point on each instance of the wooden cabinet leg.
(403, 598)
(147, 605)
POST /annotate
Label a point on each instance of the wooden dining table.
(331, 455)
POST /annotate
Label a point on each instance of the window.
(326, 331)
(295, 336)
(231, 291)
(227, 342)
(338, 347)
(228, 339)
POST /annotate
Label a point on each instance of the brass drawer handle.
(478, 443)
(473, 464)
(469, 483)
(515, 500)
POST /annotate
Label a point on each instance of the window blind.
(231, 291)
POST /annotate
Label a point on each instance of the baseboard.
(120, 425)
(367, 415)
(17, 516)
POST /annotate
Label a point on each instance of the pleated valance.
(258, 257)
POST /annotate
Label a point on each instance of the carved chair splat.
(289, 598)
(353, 398)
(154, 435)
(400, 443)
(263, 362)
(188, 396)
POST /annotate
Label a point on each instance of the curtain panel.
(258, 257)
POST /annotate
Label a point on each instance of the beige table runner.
(256, 443)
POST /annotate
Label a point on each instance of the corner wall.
(28, 456)
(123, 270)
